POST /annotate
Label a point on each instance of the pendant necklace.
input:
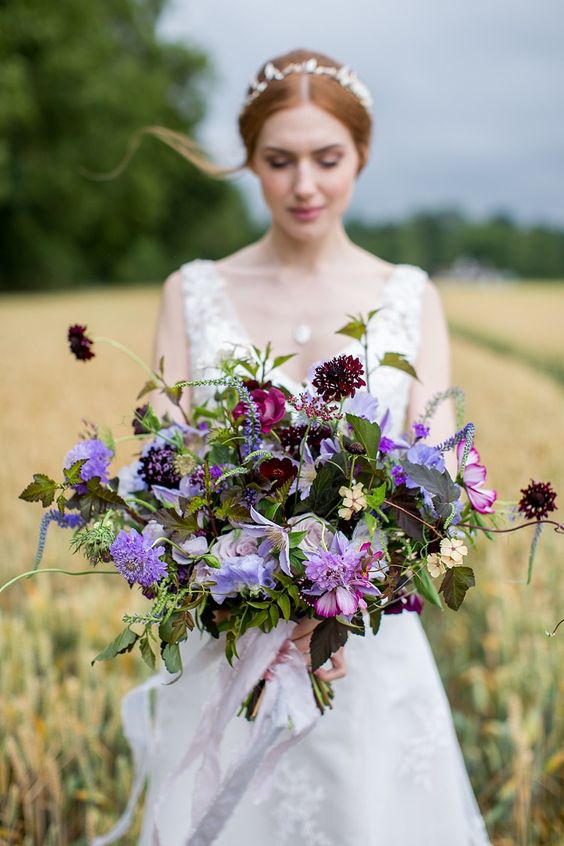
(301, 333)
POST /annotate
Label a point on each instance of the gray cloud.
(468, 97)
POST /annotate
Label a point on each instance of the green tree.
(78, 79)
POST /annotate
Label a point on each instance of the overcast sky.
(468, 97)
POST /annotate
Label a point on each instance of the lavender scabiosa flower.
(136, 559)
(340, 576)
(98, 458)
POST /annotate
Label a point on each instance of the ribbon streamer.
(287, 712)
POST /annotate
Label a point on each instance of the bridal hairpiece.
(343, 75)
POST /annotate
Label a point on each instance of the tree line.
(77, 80)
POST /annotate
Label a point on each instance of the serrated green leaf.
(171, 657)
(326, 639)
(456, 582)
(42, 489)
(72, 473)
(124, 642)
(399, 362)
(376, 496)
(425, 587)
(295, 538)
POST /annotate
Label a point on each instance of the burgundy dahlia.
(157, 467)
(339, 378)
(80, 344)
(537, 500)
(278, 470)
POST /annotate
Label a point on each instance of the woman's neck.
(277, 248)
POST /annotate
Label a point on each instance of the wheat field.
(60, 739)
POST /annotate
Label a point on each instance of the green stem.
(131, 355)
(57, 570)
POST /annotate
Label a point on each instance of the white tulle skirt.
(382, 768)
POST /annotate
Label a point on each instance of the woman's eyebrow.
(290, 153)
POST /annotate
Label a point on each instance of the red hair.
(293, 90)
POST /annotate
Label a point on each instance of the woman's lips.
(307, 214)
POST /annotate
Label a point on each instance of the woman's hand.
(301, 636)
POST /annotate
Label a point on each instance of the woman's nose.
(304, 185)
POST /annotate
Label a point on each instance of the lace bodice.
(213, 331)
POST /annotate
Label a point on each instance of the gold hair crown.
(343, 75)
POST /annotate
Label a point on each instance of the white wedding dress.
(383, 767)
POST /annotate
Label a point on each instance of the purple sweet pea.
(474, 475)
(339, 577)
(237, 574)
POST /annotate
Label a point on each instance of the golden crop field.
(64, 766)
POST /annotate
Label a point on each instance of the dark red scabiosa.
(339, 378)
(157, 467)
(138, 427)
(278, 470)
(80, 344)
(537, 501)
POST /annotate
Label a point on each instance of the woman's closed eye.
(277, 163)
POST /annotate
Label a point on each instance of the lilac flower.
(136, 560)
(238, 573)
(398, 475)
(98, 460)
(276, 538)
(474, 475)
(340, 577)
(420, 430)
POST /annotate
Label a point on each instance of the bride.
(383, 767)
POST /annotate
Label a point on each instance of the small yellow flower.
(452, 551)
(353, 500)
(435, 565)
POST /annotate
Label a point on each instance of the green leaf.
(425, 587)
(147, 652)
(124, 642)
(375, 618)
(211, 560)
(148, 387)
(324, 492)
(42, 489)
(355, 329)
(171, 657)
(456, 582)
(376, 496)
(371, 313)
(295, 538)
(366, 432)
(400, 362)
(274, 615)
(284, 605)
(326, 639)
(72, 473)
(437, 483)
(282, 359)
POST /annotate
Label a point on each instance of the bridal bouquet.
(269, 507)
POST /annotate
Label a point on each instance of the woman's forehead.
(303, 129)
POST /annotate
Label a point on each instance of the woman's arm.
(170, 342)
(434, 371)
